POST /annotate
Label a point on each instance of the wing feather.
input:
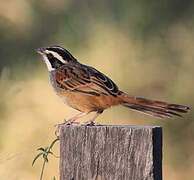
(85, 79)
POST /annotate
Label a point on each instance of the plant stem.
(43, 166)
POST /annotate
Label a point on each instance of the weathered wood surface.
(110, 153)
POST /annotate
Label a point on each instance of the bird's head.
(55, 57)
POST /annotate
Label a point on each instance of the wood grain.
(110, 153)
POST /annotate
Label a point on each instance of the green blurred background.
(146, 47)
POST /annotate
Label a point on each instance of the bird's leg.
(91, 121)
(70, 121)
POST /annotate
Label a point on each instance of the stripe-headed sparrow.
(88, 90)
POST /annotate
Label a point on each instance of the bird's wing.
(85, 80)
(105, 83)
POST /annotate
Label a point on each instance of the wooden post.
(110, 153)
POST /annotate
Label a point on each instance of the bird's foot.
(89, 123)
(68, 122)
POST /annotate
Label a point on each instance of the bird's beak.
(41, 51)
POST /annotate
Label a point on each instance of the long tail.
(153, 107)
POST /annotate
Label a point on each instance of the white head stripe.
(56, 55)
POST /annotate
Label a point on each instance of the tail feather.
(153, 107)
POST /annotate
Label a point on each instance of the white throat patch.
(48, 64)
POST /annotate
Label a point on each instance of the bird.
(87, 90)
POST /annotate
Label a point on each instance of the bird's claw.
(66, 123)
(89, 123)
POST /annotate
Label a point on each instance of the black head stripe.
(63, 53)
(55, 63)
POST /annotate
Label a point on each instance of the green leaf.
(46, 149)
(45, 157)
(52, 144)
(37, 156)
(50, 152)
(41, 149)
